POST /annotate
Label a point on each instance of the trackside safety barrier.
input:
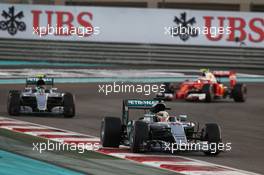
(132, 54)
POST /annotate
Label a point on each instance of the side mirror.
(183, 118)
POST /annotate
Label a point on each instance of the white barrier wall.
(131, 25)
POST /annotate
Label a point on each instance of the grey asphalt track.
(242, 124)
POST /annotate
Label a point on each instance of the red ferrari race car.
(206, 88)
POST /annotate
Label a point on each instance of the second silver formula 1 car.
(40, 97)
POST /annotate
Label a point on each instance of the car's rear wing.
(223, 73)
(135, 104)
(226, 74)
(34, 80)
(139, 104)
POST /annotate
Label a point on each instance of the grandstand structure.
(144, 54)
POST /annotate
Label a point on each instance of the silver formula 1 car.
(148, 133)
(40, 97)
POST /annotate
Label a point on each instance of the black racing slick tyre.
(13, 103)
(212, 134)
(68, 105)
(139, 136)
(209, 92)
(239, 93)
(110, 132)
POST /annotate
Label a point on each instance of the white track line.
(43, 127)
(37, 133)
(11, 127)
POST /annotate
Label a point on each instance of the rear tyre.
(212, 134)
(209, 92)
(110, 132)
(13, 103)
(239, 93)
(68, 105)
(139, 136)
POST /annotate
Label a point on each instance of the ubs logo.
(184, 29)
(12, 22)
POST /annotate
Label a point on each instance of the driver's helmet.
(163, 116)
(204, 71)
(40, 83)
(207, 75)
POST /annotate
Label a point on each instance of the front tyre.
(212, 134)
(13, 103)
(139, 136)
(110, 132)
(208, 90)
(68, 105)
